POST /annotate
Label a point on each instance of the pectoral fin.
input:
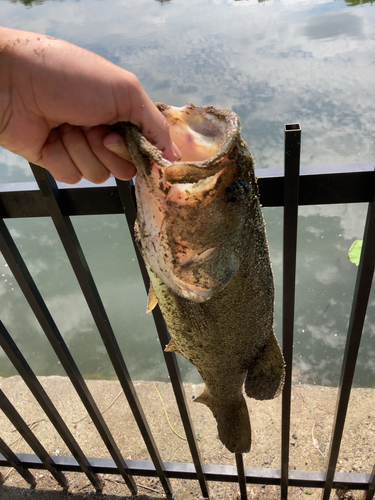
(151, 300)
(266, 375)
(172, 347)
(204, 398)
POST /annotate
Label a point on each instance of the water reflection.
(334, 25)
(272, 63)
(353, 3)
(30, 3)
(120, 288)
(324, 291)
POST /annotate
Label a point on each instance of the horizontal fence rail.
(289, 188)
(222, 473)
(318, 185)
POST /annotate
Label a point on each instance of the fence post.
(357, 318)
(291, 194)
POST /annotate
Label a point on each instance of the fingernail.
(176, 151)
(113, 140)
(52, 137)
(85, 128)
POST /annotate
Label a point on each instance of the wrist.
(5, 79)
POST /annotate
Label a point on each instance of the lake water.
(272, 62)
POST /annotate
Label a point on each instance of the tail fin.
(266, 375)
(233, 423)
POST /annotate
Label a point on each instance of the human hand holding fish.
(56, 102)
(199, 225)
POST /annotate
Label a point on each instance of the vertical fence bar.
(241, 475)
(16, 464)
(31, 439)
(357, 318)
(37, 304)
(36, 388)
(179, 392)
(127, 197)
(369, 494)
(291, 193)
(69, 239)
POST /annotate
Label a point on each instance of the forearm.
(5, 78)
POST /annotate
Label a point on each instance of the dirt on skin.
(312, 413)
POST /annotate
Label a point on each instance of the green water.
(272, 62)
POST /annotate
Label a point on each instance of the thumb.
(153, 125)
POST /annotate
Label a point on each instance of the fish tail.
(233, 423)
(266, 376)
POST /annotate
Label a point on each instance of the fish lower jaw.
(195, 294)
(166, 274)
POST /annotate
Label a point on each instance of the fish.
(201, 233)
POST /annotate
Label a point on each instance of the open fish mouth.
(191, 212)
(198, 134)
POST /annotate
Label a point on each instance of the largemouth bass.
(202, 236)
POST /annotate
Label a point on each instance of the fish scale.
(202, 236)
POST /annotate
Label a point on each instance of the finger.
(111, 151)
(57, 161)
(155, 128)
(177, 152)
(116, 144)
(152, 124)
(81, 154)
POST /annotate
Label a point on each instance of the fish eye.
(237, 191)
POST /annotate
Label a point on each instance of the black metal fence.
(313, 185)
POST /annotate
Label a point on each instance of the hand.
(56, 100)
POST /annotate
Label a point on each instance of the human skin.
(56, 102)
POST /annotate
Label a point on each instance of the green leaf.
(354, 253)
(199, 437)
